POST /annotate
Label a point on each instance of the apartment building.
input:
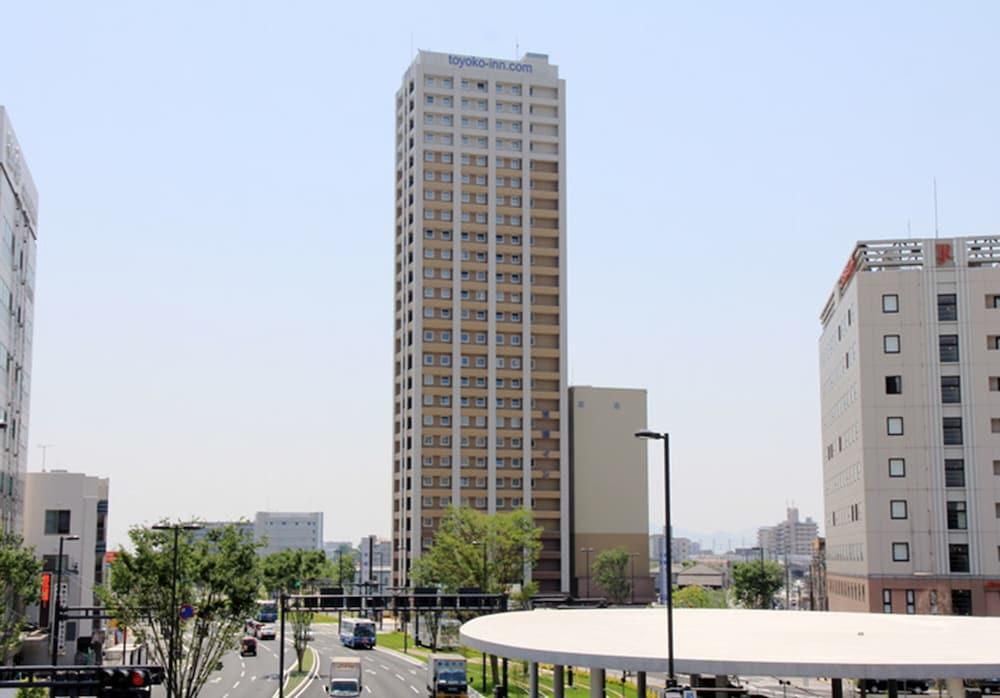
(910, 371)
(788, 537)
(480, 301)
(18, 233)
(609, 481)
(60, 504)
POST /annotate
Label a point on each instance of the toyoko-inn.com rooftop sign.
(490, 63)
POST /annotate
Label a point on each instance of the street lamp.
(485, 562)
(586, 567)
(174, 611)
(59, 599)
(665, 438)
(632, 557)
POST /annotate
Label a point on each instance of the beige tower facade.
(610, 484)
(480, 301)
(910, 370)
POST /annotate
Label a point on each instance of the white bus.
(357, 632)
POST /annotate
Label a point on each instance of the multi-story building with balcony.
(788, 537)
(480, 301)
(18, 233)
(910, 371)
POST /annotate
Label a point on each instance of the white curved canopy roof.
(749, 643)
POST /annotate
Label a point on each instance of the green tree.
(473, 549)
(33, 692)
(699, 597)
(20, 583)
(294, 572)
(754, 583)
(342, 566)
(218, 574)
(488, 551)
(610, 570)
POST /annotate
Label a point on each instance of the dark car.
(902, 685)
(985, 686)
(248, 647)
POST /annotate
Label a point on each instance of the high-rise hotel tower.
(480, 301)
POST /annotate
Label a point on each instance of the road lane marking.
(235, 685)
(253, 678)
(413, 671)
(414, 689)
(243, 673)
(370, 671)
(367, 688)
(400, 678)
(384, 667)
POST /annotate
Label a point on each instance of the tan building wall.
(480, 301)
(609, 482)
(911, 427)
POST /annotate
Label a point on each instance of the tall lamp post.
(174, 611)
(59, 600)
(485, 575)
(586, 567)
(665, 438)
(632, 557)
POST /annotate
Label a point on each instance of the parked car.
(902, 685)
(985, 686)
(248, 647)
(265, 632)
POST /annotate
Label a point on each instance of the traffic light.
(125, 682)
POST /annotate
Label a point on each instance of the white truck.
(446, 676)
(345, 676)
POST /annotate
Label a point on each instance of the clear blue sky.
(213, 328)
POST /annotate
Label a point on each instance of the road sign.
(186, 612)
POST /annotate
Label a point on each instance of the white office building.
(60, 504)
(288, 531)
(18, 233)
(910, 390)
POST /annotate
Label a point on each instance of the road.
(385, 674)
(244, 677)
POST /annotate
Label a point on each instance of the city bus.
(357, 632)
(267, 611)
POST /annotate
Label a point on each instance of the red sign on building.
(943, 253)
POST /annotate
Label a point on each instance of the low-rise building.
(59, 505)
(702, 575)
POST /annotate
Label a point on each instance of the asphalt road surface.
(385, 675)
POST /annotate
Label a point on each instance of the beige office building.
(609, 474)
(480, 300)
(910, 370)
